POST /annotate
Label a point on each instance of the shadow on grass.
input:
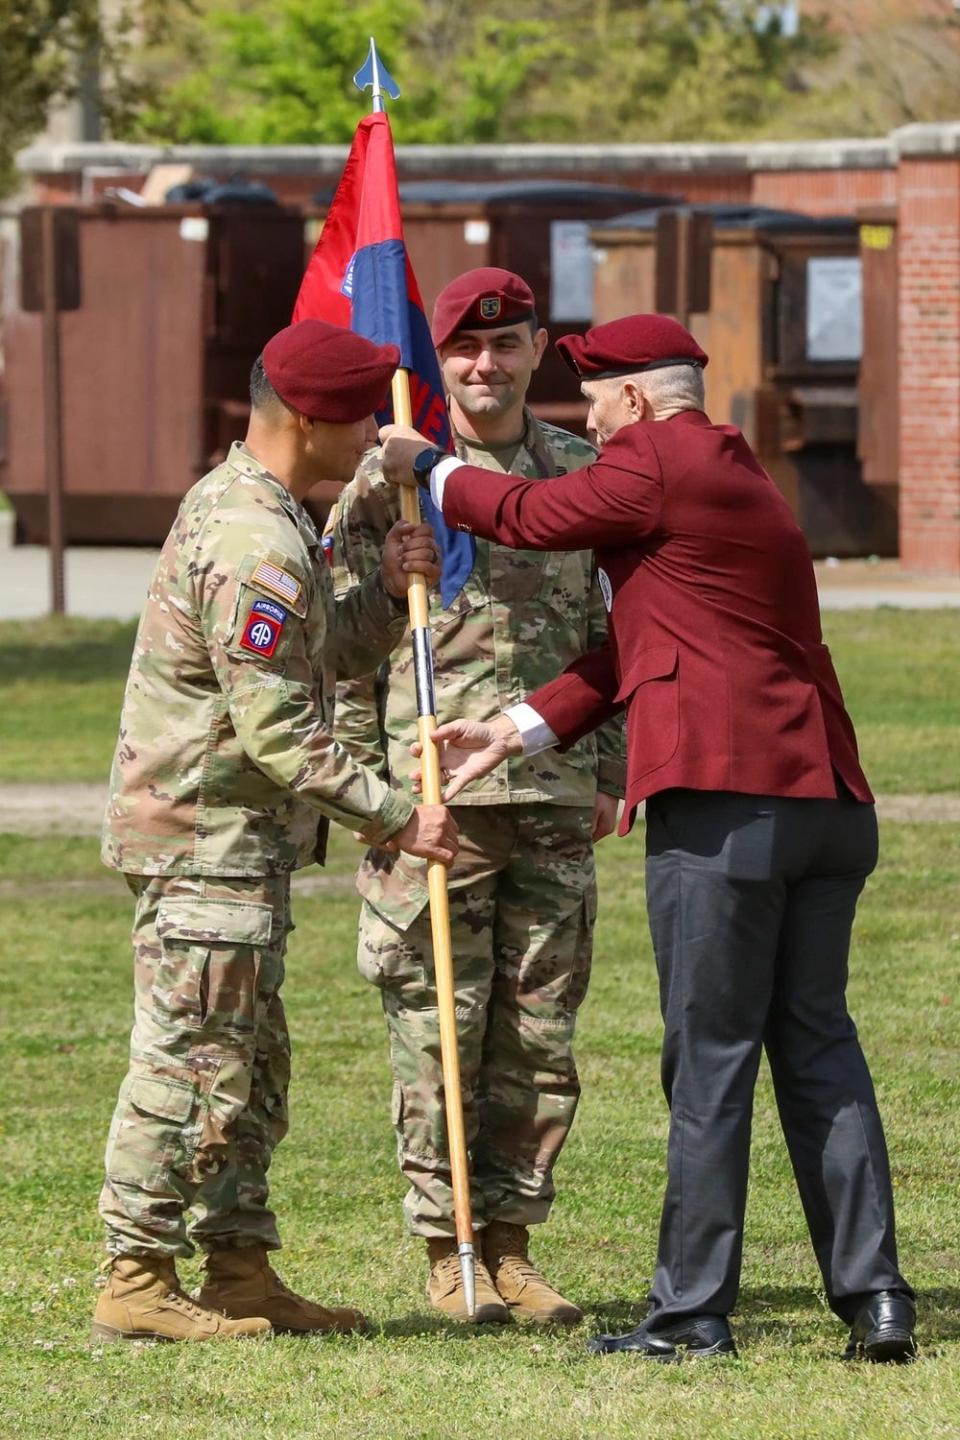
(66, 650)
(419, 1323)
(787, 1315)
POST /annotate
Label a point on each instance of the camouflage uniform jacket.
(226, 761)
(521, 617)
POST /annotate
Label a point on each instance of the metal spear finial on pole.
(374, 74)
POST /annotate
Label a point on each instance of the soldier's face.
(333, 451)
(487, 372)
(613, 404)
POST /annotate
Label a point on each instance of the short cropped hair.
(262, 394)
(675, 387)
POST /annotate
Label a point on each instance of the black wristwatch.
(425, 461)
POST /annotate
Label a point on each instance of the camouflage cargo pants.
(522, 909)
(205, 1099)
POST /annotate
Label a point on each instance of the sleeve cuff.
(535, 733)
(394, 610)
(391, 817)
(438, 478)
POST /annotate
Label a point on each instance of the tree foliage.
(40, 54)
(279, 71)
(565, 69)
(50, 50)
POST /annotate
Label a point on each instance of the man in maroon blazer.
(760, 824)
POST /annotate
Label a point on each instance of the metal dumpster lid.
(527, 192)
(731, 216)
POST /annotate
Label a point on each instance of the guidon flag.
(360, 276)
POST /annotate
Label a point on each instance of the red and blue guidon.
(263, 628)
(360, 276)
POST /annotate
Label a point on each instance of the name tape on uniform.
(280, 582)
(263, 628)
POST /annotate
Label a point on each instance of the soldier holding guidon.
(522, 890)
(225, 777)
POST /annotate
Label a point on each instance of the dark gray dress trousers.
(751, 902)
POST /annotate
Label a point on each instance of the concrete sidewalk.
(111, 582)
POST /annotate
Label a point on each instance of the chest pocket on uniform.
(565, 586)
(517, 574)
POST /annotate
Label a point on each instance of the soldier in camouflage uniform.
(522, 891)
(225, 777)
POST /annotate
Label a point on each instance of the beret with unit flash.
(482, 299)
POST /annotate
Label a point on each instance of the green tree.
(283, 74)
(247, 72)
(43, 44)
(52, 49)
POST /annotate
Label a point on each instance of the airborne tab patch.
(278, 582)
(263, 628)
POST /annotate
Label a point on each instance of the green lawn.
(66, 987)
(65, 977)
(61, 685)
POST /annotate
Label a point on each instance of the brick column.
(928, 198)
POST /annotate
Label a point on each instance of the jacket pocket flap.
(163, 1098)
(203, 921)
(658, 663)
(396, 891)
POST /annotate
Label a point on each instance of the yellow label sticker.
(876, 237)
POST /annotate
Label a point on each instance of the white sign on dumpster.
(571, 270)
(834, 308)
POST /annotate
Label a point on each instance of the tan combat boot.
(142, 1300)
(240, 1282)
(445, 1286)
(519, 1281)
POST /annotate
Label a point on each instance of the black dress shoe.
(883, 1330)
(702, 1336)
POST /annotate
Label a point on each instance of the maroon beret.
(481, 300)
(329, 373)
(624, 347)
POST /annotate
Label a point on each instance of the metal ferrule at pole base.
(468, 1273)
(423, 671)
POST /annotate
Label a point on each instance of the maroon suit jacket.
(715, 642)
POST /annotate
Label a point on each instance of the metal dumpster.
(176, 301)
(538, 228)
(783, 328)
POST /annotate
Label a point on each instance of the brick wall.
(824, 192)
(929, 263)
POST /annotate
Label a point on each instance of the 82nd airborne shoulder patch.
(263, 628)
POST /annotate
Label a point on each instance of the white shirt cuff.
(438, 478)
(535, 733)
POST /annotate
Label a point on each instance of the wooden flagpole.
(374, 74)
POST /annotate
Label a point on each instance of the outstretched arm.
(615, 500)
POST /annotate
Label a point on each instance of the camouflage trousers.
(522, 909)
(204, 1101)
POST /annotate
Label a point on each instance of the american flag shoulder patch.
(279, 582)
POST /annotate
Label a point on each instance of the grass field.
(61, 684)
(65, 975)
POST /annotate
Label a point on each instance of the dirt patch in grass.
(76, 808)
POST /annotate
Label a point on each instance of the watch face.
(425, 462)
